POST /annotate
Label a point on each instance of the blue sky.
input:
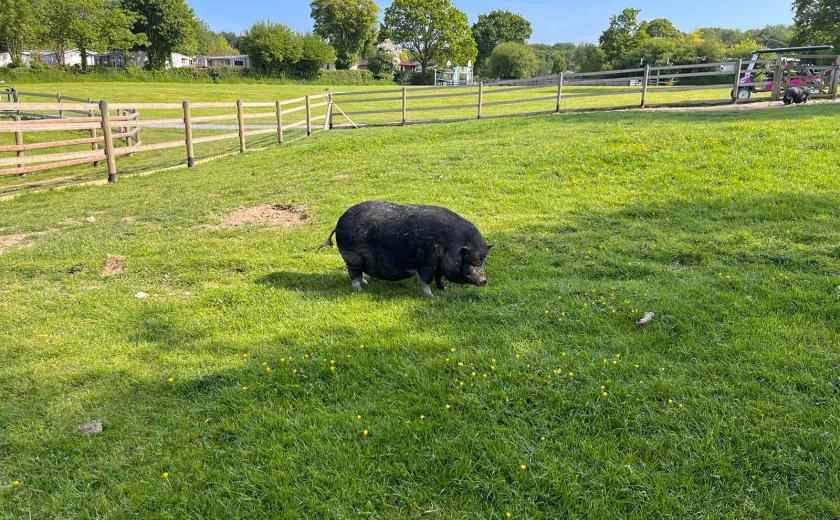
(553, 21)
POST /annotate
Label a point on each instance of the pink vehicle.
(795, 74)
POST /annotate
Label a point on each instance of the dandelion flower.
(473, 374)
(670, 401)
(460, 383)
(460, 363)
(615, 362)
(422, 417)
(332, 362)
(332, 368)
(493, 361)
(294, 371)
(542, 438)
(508, 514)
(571, 374)
(165, 474)
(245, 388)
(453, 349)
(170, 379)
(283, 360)
(358, 417)
(448, 407)
(603, 387)
(681, 405)
(523, 467)
(605, 394)
(16, 483)
(365, 433)
(268, 370)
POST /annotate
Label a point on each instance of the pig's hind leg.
(355, 269)
(426, 278)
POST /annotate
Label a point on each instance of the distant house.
(180, 61)
(410, 66)
(120, 59)
(71, 58)
(239, 61)
(6, 58)
(362, 65)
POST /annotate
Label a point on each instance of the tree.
(202, 40)
(96, 25)
(496, 27)
(19, 27)
(620, 37)
(167, 25)
(553, 59)
(315, 53)
(589, 58)
(771, 36)
(433, 30)
(660, 28)
(347, 25)
(817, 22)
(232, 39)
(273, 47)
(511, 60)
(383, 64)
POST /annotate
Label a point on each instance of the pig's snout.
(481, 282)
(477, 275)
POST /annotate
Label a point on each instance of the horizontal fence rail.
(113, 130)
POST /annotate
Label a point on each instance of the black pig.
(796, 95)
(395, 242)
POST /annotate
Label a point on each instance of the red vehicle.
(795, 73)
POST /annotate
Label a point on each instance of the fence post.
(404, 105)
(58, 100)
(94, 145)
(559, 91)
(188, 137)
(645, 85)
(835, 79)
(240, 119)
(109, 142)
(736, 86)
(778, 79)
(19, 133)
(308, 116)
(480, 99)
(137, 140)
(278, 110)
(328, 119)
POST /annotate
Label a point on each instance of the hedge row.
(51, 74)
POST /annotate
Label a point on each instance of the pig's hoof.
(358, 284)
(427, 291)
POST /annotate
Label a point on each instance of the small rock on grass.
(91, 428)
(141, 294)
(646, 319)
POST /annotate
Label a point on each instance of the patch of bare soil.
(114, 265)
(272, 215)
(8, 242)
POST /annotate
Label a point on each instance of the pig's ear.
(465, 250)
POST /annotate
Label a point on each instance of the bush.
(511, 60)
(316, 54)
(273, 47)
(56, 74)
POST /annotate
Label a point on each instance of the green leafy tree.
(167, 25)
(86, 25)
(588, 58)
(433, 30)
(620, 37)
(273, 47)
(383, 63)
(315, 53)
(202, 40)
(553, 59)
(817, 22)
(232, 39)
(348, 25)
(659, 28)
(497, 27)
(772, 36)
(511, 60)
(19, 27)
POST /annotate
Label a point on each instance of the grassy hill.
(252, 383)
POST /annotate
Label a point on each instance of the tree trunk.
(83, 53)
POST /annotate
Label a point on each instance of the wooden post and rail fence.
(99, 120)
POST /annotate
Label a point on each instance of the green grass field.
(243, 386)
(174, 93)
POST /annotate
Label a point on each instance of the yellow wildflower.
(165, 474)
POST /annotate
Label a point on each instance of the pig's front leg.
(439, 281)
